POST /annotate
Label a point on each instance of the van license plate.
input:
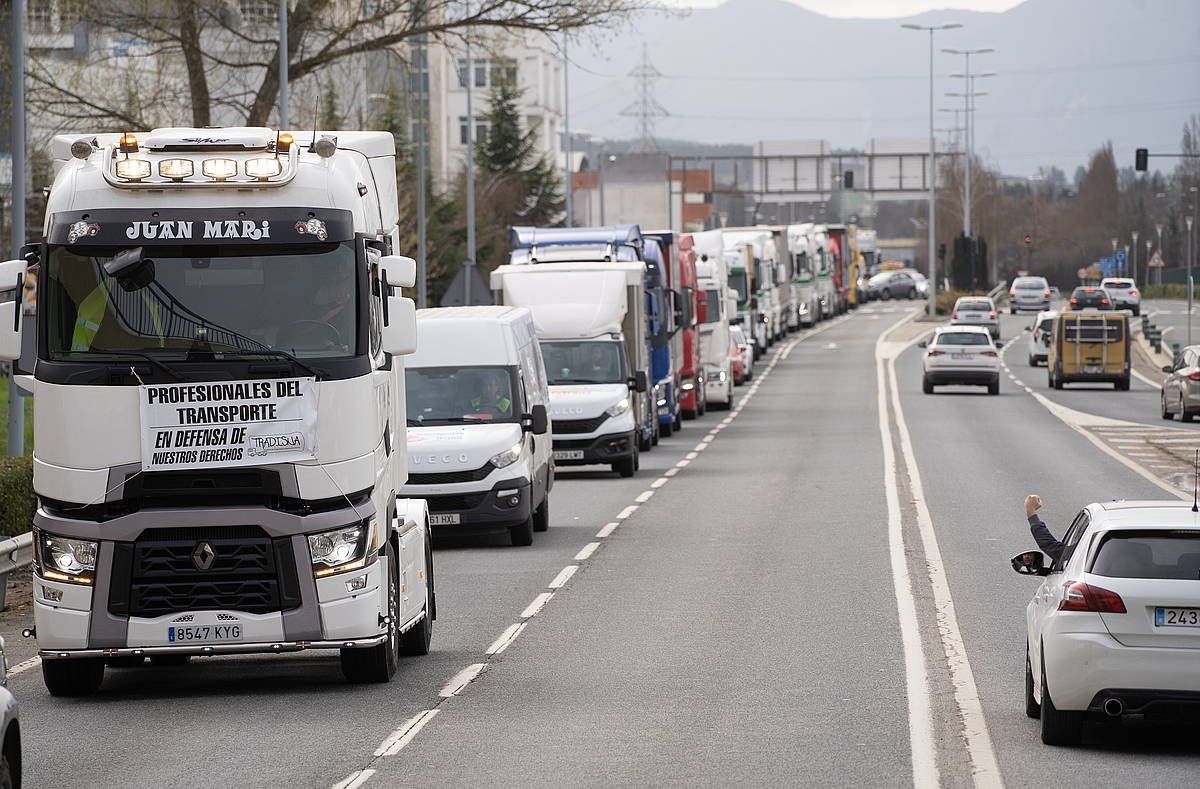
(568, 454)
(450, 519)
(1177, 617)
(204, 634)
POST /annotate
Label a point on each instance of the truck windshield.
(712, 313)
(457, 395)
(584, 362)
(738, 281)
(203, 302)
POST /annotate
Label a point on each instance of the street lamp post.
(16, 403)
(570, 190)
(968, 105)
(1133, 263)
(1188, 221)
(1158, 226)
(931, 29)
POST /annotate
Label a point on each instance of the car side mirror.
(537, 421)
(399, 325)
(1029, 328)
(923, 344)
(398, 271)
(999, 344)
(639, 383)
(12, 286)
(1168, 368)
(1030, 563)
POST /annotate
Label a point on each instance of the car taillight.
(954, 315)
(1104, 301)
(932, 352)
(1133, 293)
(990, 353)
(1046, 292)
(1012, 294)
(1074, 301)
(1194, 375)
(1085, 597)
(991, 313)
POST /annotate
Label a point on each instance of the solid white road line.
(25, 665)
(586, 551)
(404, 735)
(460, 680)
(540, 601)
(563, 576)
(507, 637)
(607, 529)
(923, 749)
(354, 780)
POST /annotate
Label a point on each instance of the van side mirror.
(537, 421)
(1030, 563)
(398, 271)
(1168, 368)
(12, 286)
(399, 325)
(639, 383)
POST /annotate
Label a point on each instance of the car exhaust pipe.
(1113, 707)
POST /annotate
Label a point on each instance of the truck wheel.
(415, 642)
(378, 663)
(541, 516)
(644, 442)
(521, 534)
(1032, 708)
(73, 677)
(665, 429)
(678, 423)
(1122, 385)
(626, 466)
(1059, 727)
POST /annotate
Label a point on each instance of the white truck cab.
(479, 444)
(719, 309)
(220, 404)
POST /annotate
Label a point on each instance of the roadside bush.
(1171, 291)
(17, 501)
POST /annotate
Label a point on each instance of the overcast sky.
(883, 9)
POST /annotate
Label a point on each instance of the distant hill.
(1071, 75)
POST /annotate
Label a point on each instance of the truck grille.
(566, 426)
(449, 477)
(247, 571)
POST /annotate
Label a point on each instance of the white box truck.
(719, 308)
(478, 427)
(591, 329)
(220, 404)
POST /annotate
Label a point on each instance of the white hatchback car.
(961, 355)
(1114, 628)
(1124, 293)
(976, 311)
(1039, 337)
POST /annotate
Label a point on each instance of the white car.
(10, 730)
(976, 311)
(961, 355)
(1039, 337)
(1114, 629)
(1124, 293)
(1029, 293)
(745, 350)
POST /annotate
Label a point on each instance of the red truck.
(691, 374)
(839, 250)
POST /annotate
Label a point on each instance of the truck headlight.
(618, 408)
(65, 559)
(342, 550)
(133, 169)
(507, 457)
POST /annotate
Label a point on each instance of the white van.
(479, 443)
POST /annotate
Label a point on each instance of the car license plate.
(203, 634)
(446, 519)
(1177, 617)
(568, 454)
(960, 356)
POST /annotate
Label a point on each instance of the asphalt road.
(1172, 314)
(741, 620)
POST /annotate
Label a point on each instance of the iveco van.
(478, 429)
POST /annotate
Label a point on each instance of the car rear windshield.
(1157, 553)
(1118, 285)
(1031, 284)
(962, 338)
(982, 306)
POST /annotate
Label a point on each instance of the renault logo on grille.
(204, 556)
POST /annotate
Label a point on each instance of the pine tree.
(510, 156)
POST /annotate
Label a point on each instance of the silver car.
(1181, 390)
(1124, 293)
(10, 745)
(976, 311)
(1029, 293)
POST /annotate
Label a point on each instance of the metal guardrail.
(1001, 286)
(16, 553)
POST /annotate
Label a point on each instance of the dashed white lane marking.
(540, 601)
(563, 576)
(658, 483)
(607, 529)
(404, 735)
(586, 551)
(24, 665)
(644, 496)
(625, 513)
(355, 779)
(674, 469)
(699, 447)
(460, 680)
(507, 637)
(690, 456)
(1018, 382)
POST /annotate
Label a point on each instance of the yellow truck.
(1089, 346)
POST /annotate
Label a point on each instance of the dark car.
(1090, 297)
(892, 285)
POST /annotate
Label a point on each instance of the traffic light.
(942, 251)
(848, 179)
(1028, 239)
(1141, 159)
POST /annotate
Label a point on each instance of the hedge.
(1168, 291)
(17, 501)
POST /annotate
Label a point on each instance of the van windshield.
(458, 395)
(584, 362)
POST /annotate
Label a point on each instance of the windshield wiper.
(276, 352)
(147, 357)
(557, 381)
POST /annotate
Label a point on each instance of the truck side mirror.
(399, 325)
(537, 421)
(12, 285)
(398, 271)
(639, 383)
(1030, 563)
